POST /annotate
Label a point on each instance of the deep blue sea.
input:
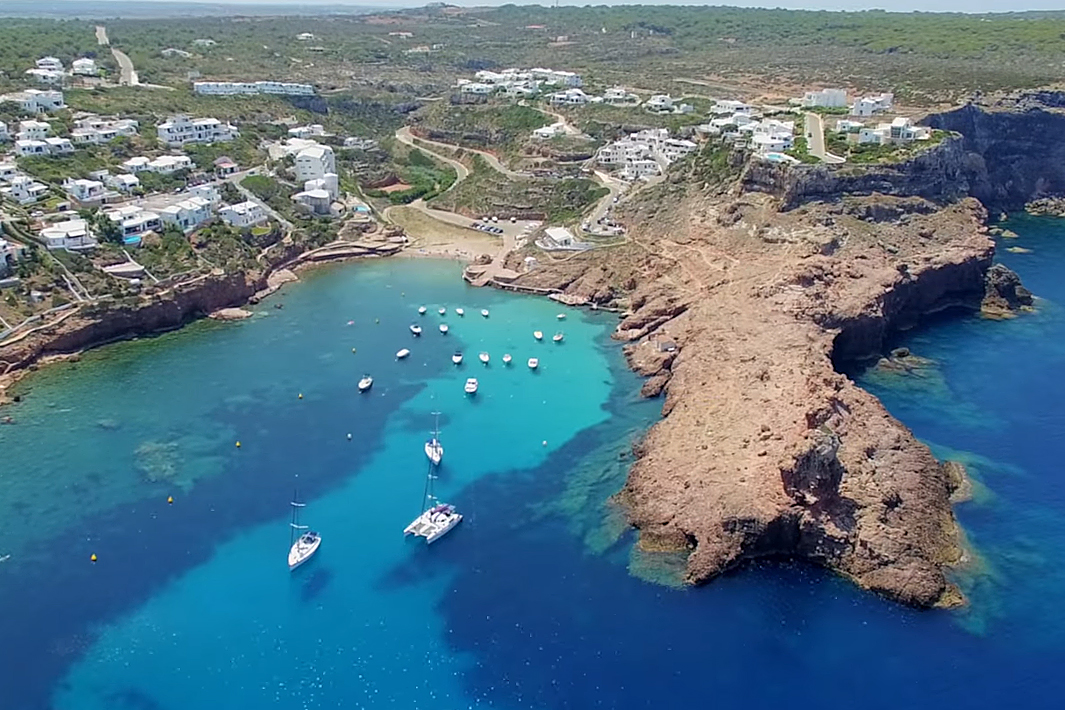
(537, 600)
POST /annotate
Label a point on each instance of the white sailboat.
(365, 383)
(301, 548)
(507, 358)
(421, 310)
(443, 328)
(433, 448)
(415, 328)
(484, 312)
(561, 316)
(457, 357)
(483, 356)
(436, 519)
(442, 311)
(539, 335)
(460, 312)
(558, 337)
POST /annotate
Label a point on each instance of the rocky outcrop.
(1003, 293)
(99, 324)
(1011, 156)
(938, 174)
(737, 313)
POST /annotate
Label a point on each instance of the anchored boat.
(471, 386)
(421, 310)
(402, 354)
(484, 312)
(533, 363)
(483, 357)
(457, 357)
(443, 328)
(415, 328)
(558, 337)
(365, 383)
(301, 548)
(433, 448)
(507, 358)
(538, 334)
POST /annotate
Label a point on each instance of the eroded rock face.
(765, 449)
(1003, 292)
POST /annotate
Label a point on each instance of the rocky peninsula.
(743, 295)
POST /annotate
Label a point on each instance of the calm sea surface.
(537, 599)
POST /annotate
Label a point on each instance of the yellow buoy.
(238, 444)
(353, 350)
(170, 500)
(301, 395)
(93, 558)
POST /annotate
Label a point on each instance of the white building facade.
(180, 130)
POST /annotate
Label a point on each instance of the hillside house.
(36, 100)
(549, 132)
(84, 190)
(33, 130)
(124, 182)
(900, 131)
(238, 88)
(46, 76)
(170, 52)
(476, 88)
(166, 164)
(225, 166)
(827, 98)
(134, 221)
(25, 190)
(4, 135)
(722, 107)
(309, 131)
(95, 130)
(620, 97)
(243, 215)
(50, 64)
(72, 235)
(869, 105)
(316, 202)
(83, 67)
(186, 214)
(179, 130)
(314, 162)
(659, 103)
(8, 172)
(569, 97)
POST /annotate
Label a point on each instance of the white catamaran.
(436, 519)
(301, 548)
(433, 448)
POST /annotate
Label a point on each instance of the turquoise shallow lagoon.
(533, 601)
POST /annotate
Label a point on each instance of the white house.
(166, 164)
(171, 52)
(204, 42)
(314, 129)
(243, 215)
(59, 146)
(869, 105)
(25, 190)
(46, 76)
(136, 165)
(569, 97)
(83, 67)
(206, 192)
(557, 78)
(186, 214)
(673, 149)
(179, 130)
(8, 172)
(314, 162)
(84, 190)
(50, 64)
(124, 182)
(845, 125)
(619, 96)
(93, 130)
(476, 88)
(73, 235)
(360, 143)
(135, 221)
(304, 36)
(329, 182)
(32, 130)
(828, 98)
(36, 100)
(727, 106)
(4, 135)
(659, 103)
(314, 201)
(549, 132)
(25, 148)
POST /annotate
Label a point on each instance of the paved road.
(129, 74)
(493, 162)
(403, 135)
(101, 35)
(815, 132)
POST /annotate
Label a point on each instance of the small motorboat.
(442, 311)
(365, 383)
(471, 386)
(421, 310)
(483, 357)
(538, 335)
(443, 328)
(561, 316)
(533, 363)
(507, 358)
(484, 312)
(402, 354)
(416, 329)
(460, 312)
(558, 337)
(457, 357)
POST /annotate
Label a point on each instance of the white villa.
(549, 132)
(723, 107)
(620, 97)
(314, 201)
(135, 221)
(659, 103)
(179, 130)
(314, 162)
(36, 100)
(238, 88)
(46, 76)
(32, 130)
(172, 52)
(4, 135)
(901, 130)
(50, 64)
(187, 214)
(309, 131)
(72, 235)
(869, 105)
(644, 154)
(243, 215)
(48, 146)
(25, 190)
(84, 190)
(125, 182)
(8, 172)
(94, 130)
(83, 67)
(569, 97)
(828, 98)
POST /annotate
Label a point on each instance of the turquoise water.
(536, 600)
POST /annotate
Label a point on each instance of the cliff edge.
(739, 306)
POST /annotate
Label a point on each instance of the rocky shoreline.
(742, 303)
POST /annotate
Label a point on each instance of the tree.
(106, 229)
